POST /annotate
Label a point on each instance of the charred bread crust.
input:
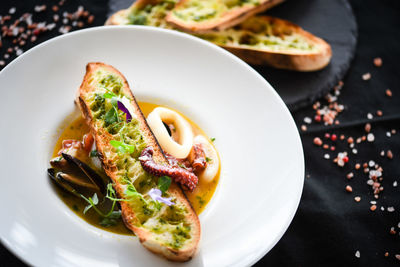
(228, 19)
(103, 138)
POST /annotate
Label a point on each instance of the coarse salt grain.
(373, 202)
(12, 10)
(388, 134)
(357, 254)
(366, 76)
(354, 151)
(370, 116)
(370, 182)
(382, 208)
(327, 156)
(371, 163)
(371, 137)
(317, 141)
(307, 120)
(397, 256)
(390, 209)
(382, 153)
(392, 231)
(388, 92)
(357, 199)
(395, 184)
(375, 173)
(40, 8)
(378, 62)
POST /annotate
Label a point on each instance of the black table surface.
(330, 228)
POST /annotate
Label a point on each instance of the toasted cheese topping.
(151, 15)
(207, 10)
(260, 33)
(167, 224)
(254, 33)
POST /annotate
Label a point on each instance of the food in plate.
(257, 40)
(199, 16)
(146, 182)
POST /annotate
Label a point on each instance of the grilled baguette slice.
(260, 40)
(173, 232)
(201, 16)
(275, 42)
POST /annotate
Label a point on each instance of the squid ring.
(212, 167)
(155, 120)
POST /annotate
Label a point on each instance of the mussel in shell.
(75, 176)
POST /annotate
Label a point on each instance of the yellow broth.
(199, 198)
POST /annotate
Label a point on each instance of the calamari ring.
(155, 121)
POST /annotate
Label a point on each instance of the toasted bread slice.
(258, 40)
(171, 231)
(144, 12)
(275, 42)
(201, 16)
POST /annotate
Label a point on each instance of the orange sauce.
(199, 198)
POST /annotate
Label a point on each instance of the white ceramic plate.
(261, 153)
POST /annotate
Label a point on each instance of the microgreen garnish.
(94, 153)
(163, 183)
(93, 201)
(111, 216)
(122, 147)
(111, 220)
(155, 194)
(58, 159)
(208, 159)
(111, 116)
(109, 95)
(212, 139)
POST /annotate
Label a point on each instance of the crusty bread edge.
(118, 18)
(289, 60)
(189, 250)
(228, 19)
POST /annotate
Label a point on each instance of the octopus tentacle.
(179, 175)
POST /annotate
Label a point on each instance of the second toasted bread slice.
(171, 231)
(275, 42)
(200, 16)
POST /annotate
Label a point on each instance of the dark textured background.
(329, 226)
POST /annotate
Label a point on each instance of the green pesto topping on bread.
(152, 15)
(201, 10)
(254, 33)
(167, 223)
